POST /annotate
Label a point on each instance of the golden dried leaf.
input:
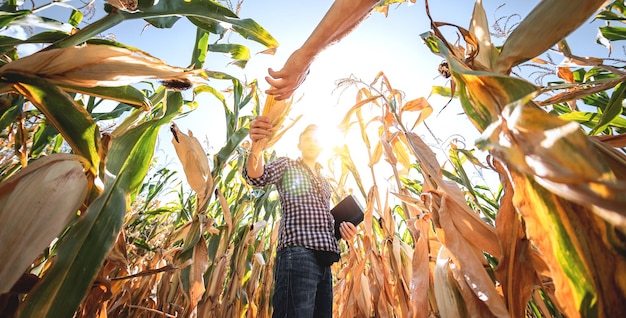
(196, 273)
(449, 300)
(376, 155)
(421, 105)
(399, 149)
(228, 218)
(560, 156)
(515, 272)
(479, 26)
(364, 297)
(466, 237)
(388, 151)
(420, 282)
(565, 73)
(96, 65)
(194, 160)
(560, 17)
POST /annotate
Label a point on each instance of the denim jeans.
(302, 288)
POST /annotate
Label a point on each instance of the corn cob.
(276, 111)
(35, 206)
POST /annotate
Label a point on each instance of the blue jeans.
(302, 288)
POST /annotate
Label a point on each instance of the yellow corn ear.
(36, 204)
(277, 111)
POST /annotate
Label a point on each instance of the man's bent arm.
(342, 17)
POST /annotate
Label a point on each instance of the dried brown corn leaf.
(529, 39)
(96, 65)
(194, 160)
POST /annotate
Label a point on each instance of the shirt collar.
(318, 166)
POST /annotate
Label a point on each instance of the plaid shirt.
(305, 202)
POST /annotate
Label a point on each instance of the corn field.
(86, 231)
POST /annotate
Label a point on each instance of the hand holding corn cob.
(261, 130)
(265, 130)
(273, 115)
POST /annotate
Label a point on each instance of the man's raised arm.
(340, 19)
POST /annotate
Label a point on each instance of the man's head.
(309, 143)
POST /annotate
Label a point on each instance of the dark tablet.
(348, 210)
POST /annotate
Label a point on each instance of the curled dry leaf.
(193, 158)
(125, 5)
(560, 157)
(96, 65)
(558, 16)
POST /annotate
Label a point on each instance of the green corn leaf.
(119, 110)
(123, 94)
(441, 91)
(71, 120)
(75, 18)
(209, 11)
(613, 33)
(43, 136)
(200, 49)
(611, 16)
(230, 147)
(31, 20)
(590, 119)
(613, 109)
(10, 114)
(207, 25)
(483, 95)
(80, 255)
(239, 53)
(7, 17)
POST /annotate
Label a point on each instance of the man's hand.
(285, 81)
(347, 230)
(260, 128)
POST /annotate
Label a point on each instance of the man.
(342, 17)
(306, 242)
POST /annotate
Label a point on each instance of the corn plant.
(560, 180)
